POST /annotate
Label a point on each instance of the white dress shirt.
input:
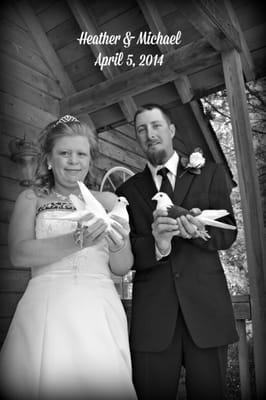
(171, 165)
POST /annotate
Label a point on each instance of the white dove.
(207, 217)
(120, 208)
(91, 205)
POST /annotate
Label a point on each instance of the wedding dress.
(68, 338)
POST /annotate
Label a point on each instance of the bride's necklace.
(59, 195)
(63, 197)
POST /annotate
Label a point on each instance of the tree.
(217, 110)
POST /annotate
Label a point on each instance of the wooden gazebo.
(59, 56)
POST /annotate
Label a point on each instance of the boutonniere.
(193, 163)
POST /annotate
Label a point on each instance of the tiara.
(65, 119)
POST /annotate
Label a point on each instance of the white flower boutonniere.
(193, 163)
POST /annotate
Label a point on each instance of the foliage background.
(234, 260)
(217, 110)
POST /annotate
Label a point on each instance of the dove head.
(163, 200)
(122, 200)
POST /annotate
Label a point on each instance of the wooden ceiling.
(107, 97)
(191, 69)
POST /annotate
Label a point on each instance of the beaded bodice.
(47, 222)
(89, 260)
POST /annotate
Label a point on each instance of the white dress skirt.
(68, 338)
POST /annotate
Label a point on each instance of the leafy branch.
(217, 110)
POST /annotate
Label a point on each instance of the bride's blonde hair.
(65, 126)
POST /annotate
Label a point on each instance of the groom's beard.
(157, 158)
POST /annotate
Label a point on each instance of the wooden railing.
(241, 306)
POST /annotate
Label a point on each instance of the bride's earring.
(49, 166)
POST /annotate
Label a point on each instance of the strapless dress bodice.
(91, 260)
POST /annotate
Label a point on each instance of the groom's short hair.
(149, 107)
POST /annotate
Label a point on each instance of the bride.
(68, 338)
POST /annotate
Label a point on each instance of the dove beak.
(124, 200)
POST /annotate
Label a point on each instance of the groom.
(181, 312)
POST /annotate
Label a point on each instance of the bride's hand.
(118, 236)
(86, 236)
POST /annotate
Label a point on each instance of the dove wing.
(75, 215)
(78, 204)
(92, 203)
(217, 224)
(213, 214)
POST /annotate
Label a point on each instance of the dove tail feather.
(217, 224)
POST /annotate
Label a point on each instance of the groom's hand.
(163, 229)
(191, 228)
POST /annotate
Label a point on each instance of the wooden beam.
(48, 53)
(44, 46)
(208, 135)
(246, 59)
(156, 24)
(251, 207)
(186, 59)
(212, 22)
(87, 24)
(183, 86)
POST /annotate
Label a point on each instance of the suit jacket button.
(177, 275)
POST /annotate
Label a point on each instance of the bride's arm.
(25, 249)
(120, 254)
(121, 260)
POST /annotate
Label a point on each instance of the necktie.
(166, 186)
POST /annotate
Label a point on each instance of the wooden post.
(241, 306)
(251, 207)
(243, 360)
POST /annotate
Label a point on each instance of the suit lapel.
(146, 186)
(182, 184)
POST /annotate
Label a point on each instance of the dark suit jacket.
(191, 277)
